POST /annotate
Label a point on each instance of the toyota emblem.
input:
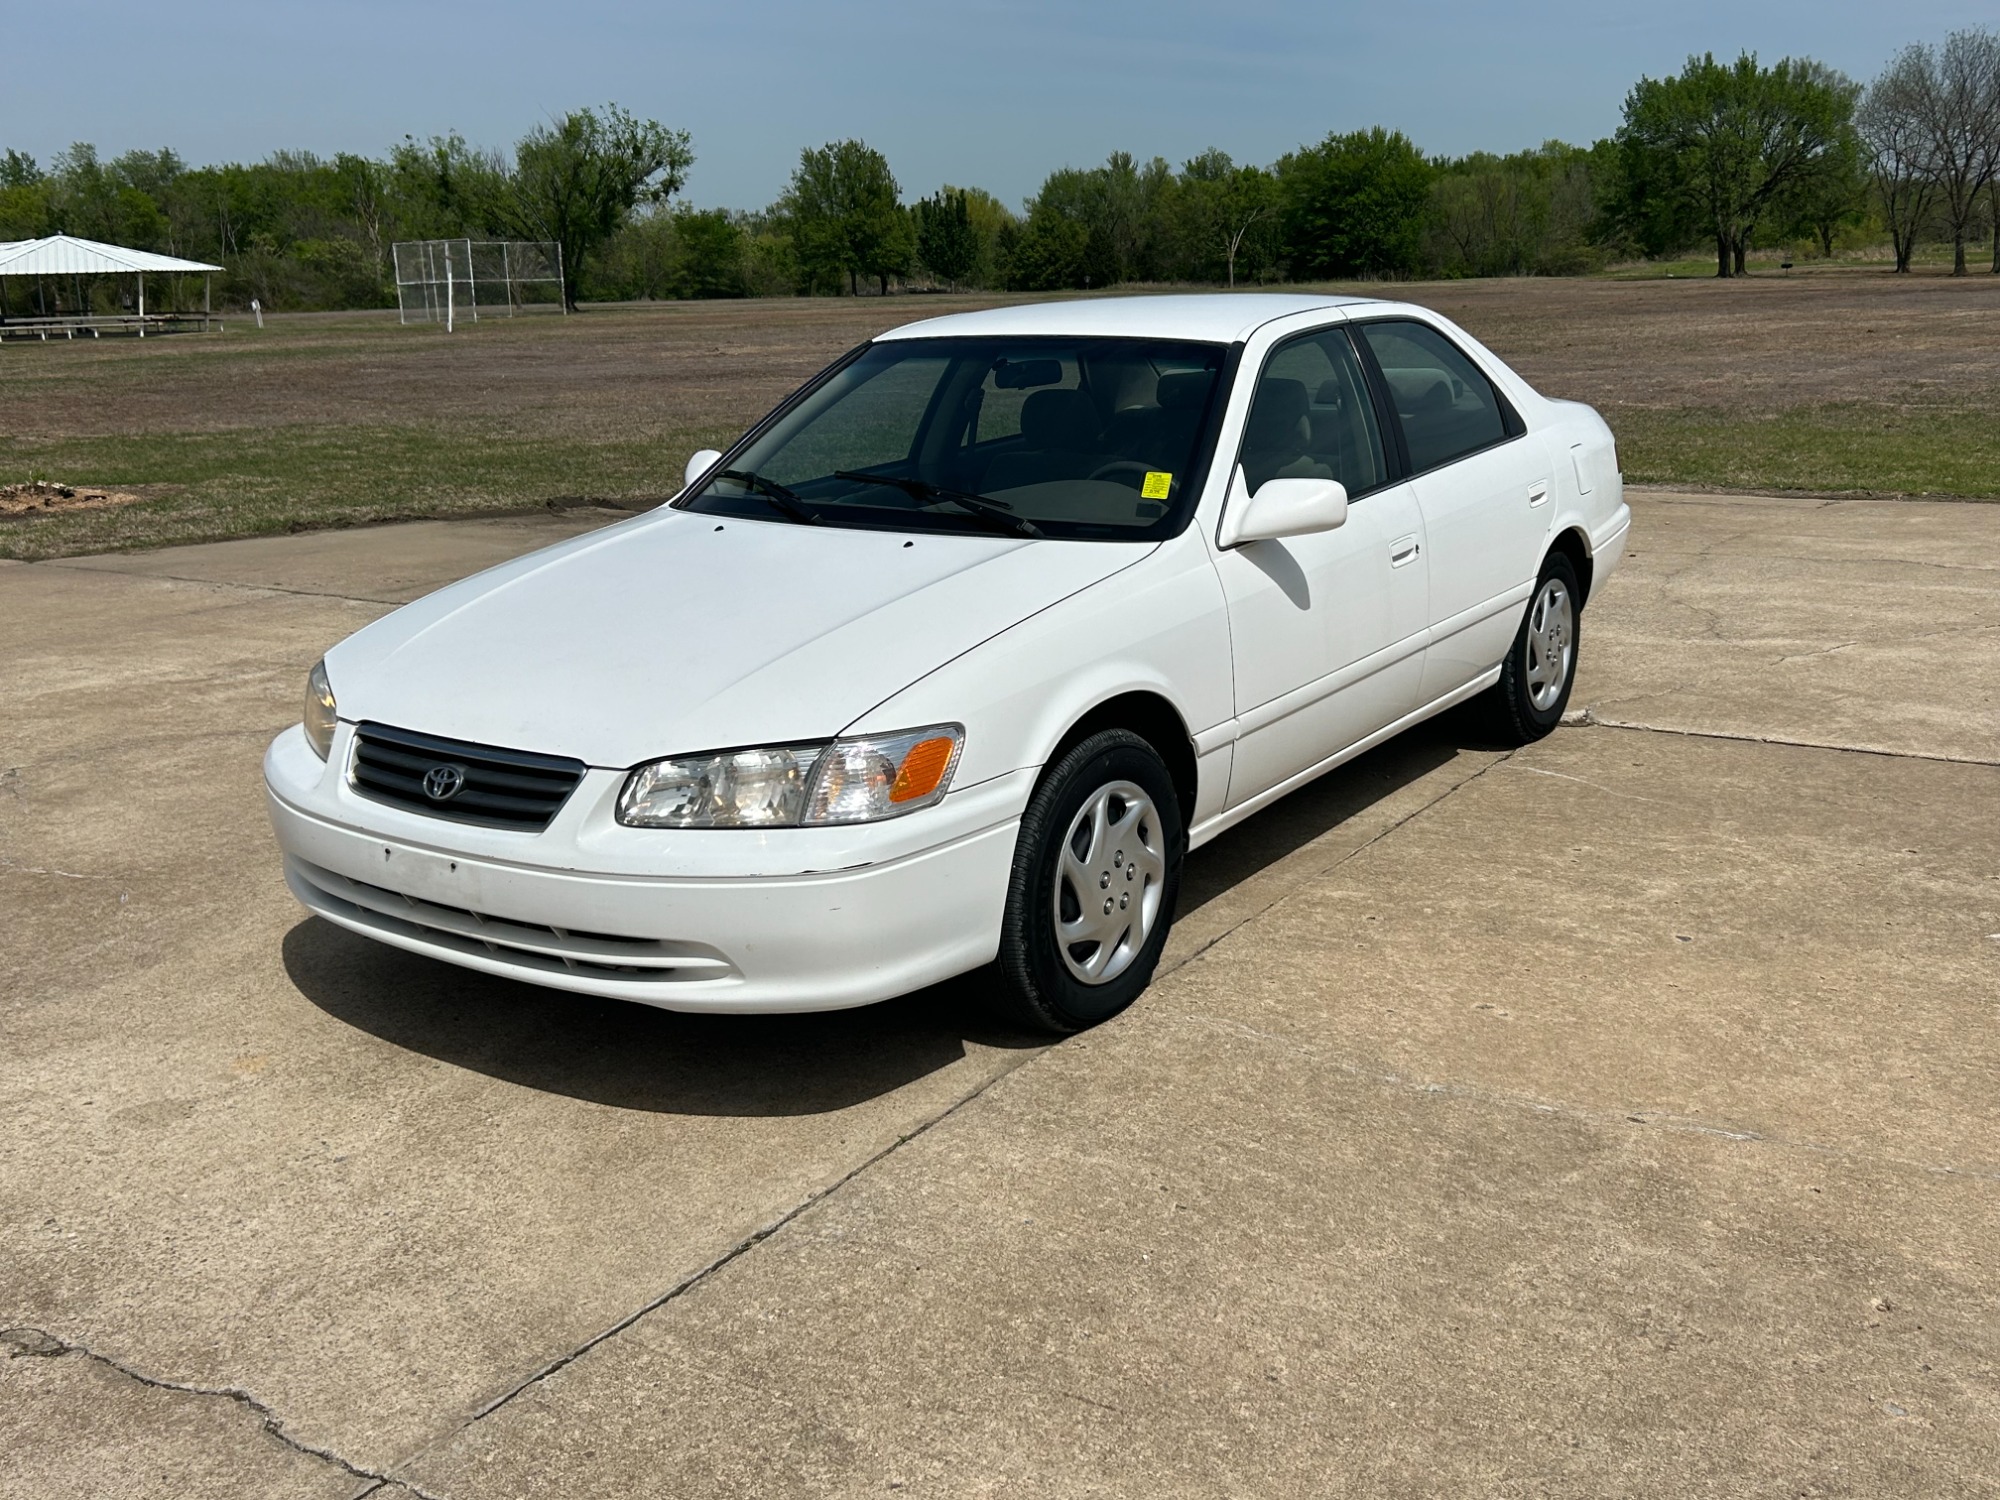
(442, 783)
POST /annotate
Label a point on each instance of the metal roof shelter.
(64, 255)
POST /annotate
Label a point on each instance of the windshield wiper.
(769, 489)
(997, 512)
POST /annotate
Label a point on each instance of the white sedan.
(954, 656)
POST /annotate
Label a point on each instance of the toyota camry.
(954, 656)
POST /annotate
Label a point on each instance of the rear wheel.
(1533, 690)
(1096, 872)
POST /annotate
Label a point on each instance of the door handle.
(1404, 550)
(1538, 493)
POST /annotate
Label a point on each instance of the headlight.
(736, 789)
(321, 713)
(787, 786)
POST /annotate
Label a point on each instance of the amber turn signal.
(922, 769)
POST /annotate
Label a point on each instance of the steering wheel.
(1122, 466)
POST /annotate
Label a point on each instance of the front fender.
(1157, 627)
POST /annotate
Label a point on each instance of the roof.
(65, 255)
(1215, 317)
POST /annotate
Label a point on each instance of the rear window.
(1447, 408)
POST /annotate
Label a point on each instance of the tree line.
(1726, 156)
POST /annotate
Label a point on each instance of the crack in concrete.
(1779, 661)
(224, 583)
(25, 1341)
(750, 1242)
(1594, 786)
(8, 867)
(1589, 717)
(693, 1279)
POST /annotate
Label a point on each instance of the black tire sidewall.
(1527, 721)
(1042, 987)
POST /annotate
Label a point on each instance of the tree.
(1993, 218)
(1354, 204)
(1897, 146)
(1532, 213)
(712, 247)
(844, 212)
(575, 181)
(1227, 214)
(1831, 192)
(1712, 147)
(947, 242)
(1954, 93)
(24, 198)
(989, 218)
(445, 188)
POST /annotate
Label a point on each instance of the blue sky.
(982, 93)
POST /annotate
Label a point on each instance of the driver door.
(1327, 631)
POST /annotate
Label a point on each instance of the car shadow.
(633, 1056)
(1296, 820)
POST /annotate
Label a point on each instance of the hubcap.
(1110, 872)
(1551, 644)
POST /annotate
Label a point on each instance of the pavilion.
(64, 256)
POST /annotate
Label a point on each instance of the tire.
(1533, 691)
(1083, 931)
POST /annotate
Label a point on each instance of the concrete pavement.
(1612, 1117)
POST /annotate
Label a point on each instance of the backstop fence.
(441, 281)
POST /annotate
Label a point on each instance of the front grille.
(466, 783)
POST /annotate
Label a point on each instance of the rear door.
(1483, 486)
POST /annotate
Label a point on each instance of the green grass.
(1833, 448)
(211, 486)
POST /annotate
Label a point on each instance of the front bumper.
(668, 919)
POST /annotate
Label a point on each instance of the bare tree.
(1993, 217)
(1898, 140)
(1959, 105)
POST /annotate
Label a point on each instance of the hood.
(680, 632)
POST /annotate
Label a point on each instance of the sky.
(979, 94)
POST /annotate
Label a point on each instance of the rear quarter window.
(1446, 406)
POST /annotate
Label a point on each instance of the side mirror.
(1282, 507)
(699, 465)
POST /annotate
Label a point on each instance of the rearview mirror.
(1281, 508)
(699, 465)
(1025, 374)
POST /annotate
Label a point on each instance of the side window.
(1447, 407)
(1311, 417)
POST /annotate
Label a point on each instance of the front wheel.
(1533, 689)
(1096, 873)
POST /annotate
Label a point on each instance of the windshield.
(1094, 439)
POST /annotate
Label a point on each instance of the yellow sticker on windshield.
(1157, 486)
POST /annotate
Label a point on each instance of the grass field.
(1841, 382)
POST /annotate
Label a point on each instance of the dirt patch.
(1762, 344)
(43, 498)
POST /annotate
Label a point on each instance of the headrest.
(1059, 421)
(1420, 390)
(1330, 393)
(1276, 415)
(1184, 390)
